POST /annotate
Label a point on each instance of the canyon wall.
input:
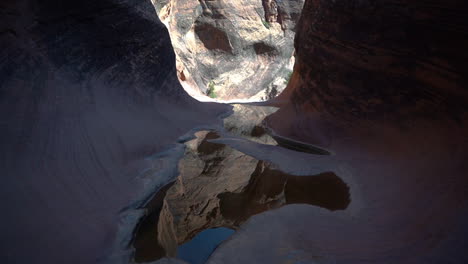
(230, 50)
(381, 62)
(89, 93)
(383, 86)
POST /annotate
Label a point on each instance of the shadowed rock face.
(382, 61)
(383, 86)
(213, 38)
(241, 48)
(88, 90)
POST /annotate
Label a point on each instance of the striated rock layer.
(231, 50)
(88, 92)
(383, 86)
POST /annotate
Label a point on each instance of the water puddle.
(218, 189)
(269, 189)
(197, 250)
(300, 146)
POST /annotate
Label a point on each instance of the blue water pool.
(197, 250)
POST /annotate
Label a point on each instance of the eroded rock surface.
(220, 186)
(246, 121)
(358, 60)
(88, 92)
(382, 85)
(232, 49)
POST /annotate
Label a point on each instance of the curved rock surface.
(220, 186)
(88, 92)
(382, 85)
(191, 204)
(232, 50)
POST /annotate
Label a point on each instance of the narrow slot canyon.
(250, 131)
(232, 51)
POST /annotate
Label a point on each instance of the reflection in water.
(145, 240)
(197, 250)
(269, 188)
(222, 187)
(299, 146)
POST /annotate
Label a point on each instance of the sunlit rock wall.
(231, 50)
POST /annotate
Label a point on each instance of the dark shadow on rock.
(299, 146)
(264, 49)
(213, 38)
(269, 189)
(146, 244)
(324, 190)
(208, 148)
(257, 131)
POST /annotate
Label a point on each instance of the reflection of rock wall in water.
(219, 186)
(382, 86)
(241, 48)
(89, 92)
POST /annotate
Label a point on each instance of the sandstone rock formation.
(89, 92)
(219, 186)
(369, 63)
(190, 205)
(382, 85)
(232, 50)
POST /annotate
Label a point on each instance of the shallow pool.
(197, 250)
